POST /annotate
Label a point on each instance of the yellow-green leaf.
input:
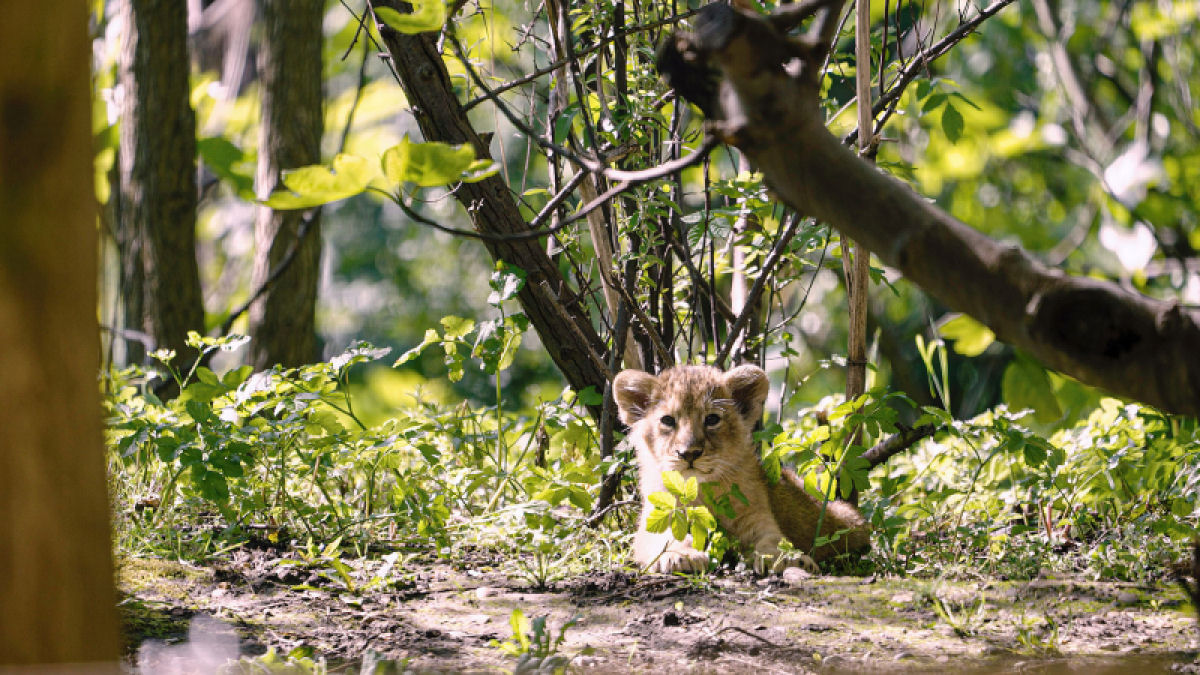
(426, 15)
(314, 185)
(479, 170)
(431, 336)
(427, 164)
(656, 520)
(691, 490)
(662, 500)
(679, 526)
(970, 337)
(673, 481)
(699, 535)
(456, 326)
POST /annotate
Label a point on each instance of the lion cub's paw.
(776, 562)
(685, 560)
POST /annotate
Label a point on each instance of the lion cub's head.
(695, 420)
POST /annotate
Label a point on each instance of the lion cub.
(698, 421)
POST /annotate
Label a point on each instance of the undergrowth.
(281, 458)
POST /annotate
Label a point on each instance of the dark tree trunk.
(553, 308)
(56, 573)
(157, 222)
(283, 320)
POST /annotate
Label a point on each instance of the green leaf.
(691, 490)
(971, 338)
(673, 481)
(206, 376)
(701, 515)
(317, 184)
(237, 376)
(952, 123)
(662, 500)
(456, 326)
(1027, 385)
(562, 125)
(964, 99)
(198, 410)
(480, 169)
(427, 164)
(506, 283)
(657, 520)
(933, 102)
(699, 535)
(431, 336)
(679, 526)
(427, 15)
(224, 159)
(589, 396)
(737, 493)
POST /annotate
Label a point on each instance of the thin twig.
(756, 291)
(301, 233)
(546, 70)
(635, 178)
(886, 102)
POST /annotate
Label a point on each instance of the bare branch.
(897, 443)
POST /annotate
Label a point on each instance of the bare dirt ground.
(442, 619)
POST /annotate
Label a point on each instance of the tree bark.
(56, 575)
(283, 320)
(554, 310)
(1095, 331)
(157, 220)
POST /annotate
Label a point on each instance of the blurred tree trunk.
(157, 220)
(56, 574)
(288, 255)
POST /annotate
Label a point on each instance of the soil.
(433, 617)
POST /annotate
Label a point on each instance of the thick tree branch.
(1095, 331)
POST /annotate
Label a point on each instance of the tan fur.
(723, 454)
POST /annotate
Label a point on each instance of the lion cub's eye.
(668, 421)
(712, 420)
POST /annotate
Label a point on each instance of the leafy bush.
(282, 454)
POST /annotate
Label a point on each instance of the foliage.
(534, 644)
(1029, 471)
(991, 496)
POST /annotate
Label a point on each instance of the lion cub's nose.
(691, 454)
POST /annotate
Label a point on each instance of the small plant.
(1037, 634)
(535, 645)
(672, 509)
(326, 562)
(963, 618)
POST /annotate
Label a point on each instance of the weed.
(534, 644)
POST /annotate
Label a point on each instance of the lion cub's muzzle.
(690, 450)
(690, 455)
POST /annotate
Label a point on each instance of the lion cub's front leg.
(759, 527)
(661, 552)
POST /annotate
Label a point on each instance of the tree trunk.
(283, 320)
(553, 309)
(1097, 332)
(56, 575)
(157, 223)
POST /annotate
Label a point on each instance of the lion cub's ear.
(632, 390)
(748, 385)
